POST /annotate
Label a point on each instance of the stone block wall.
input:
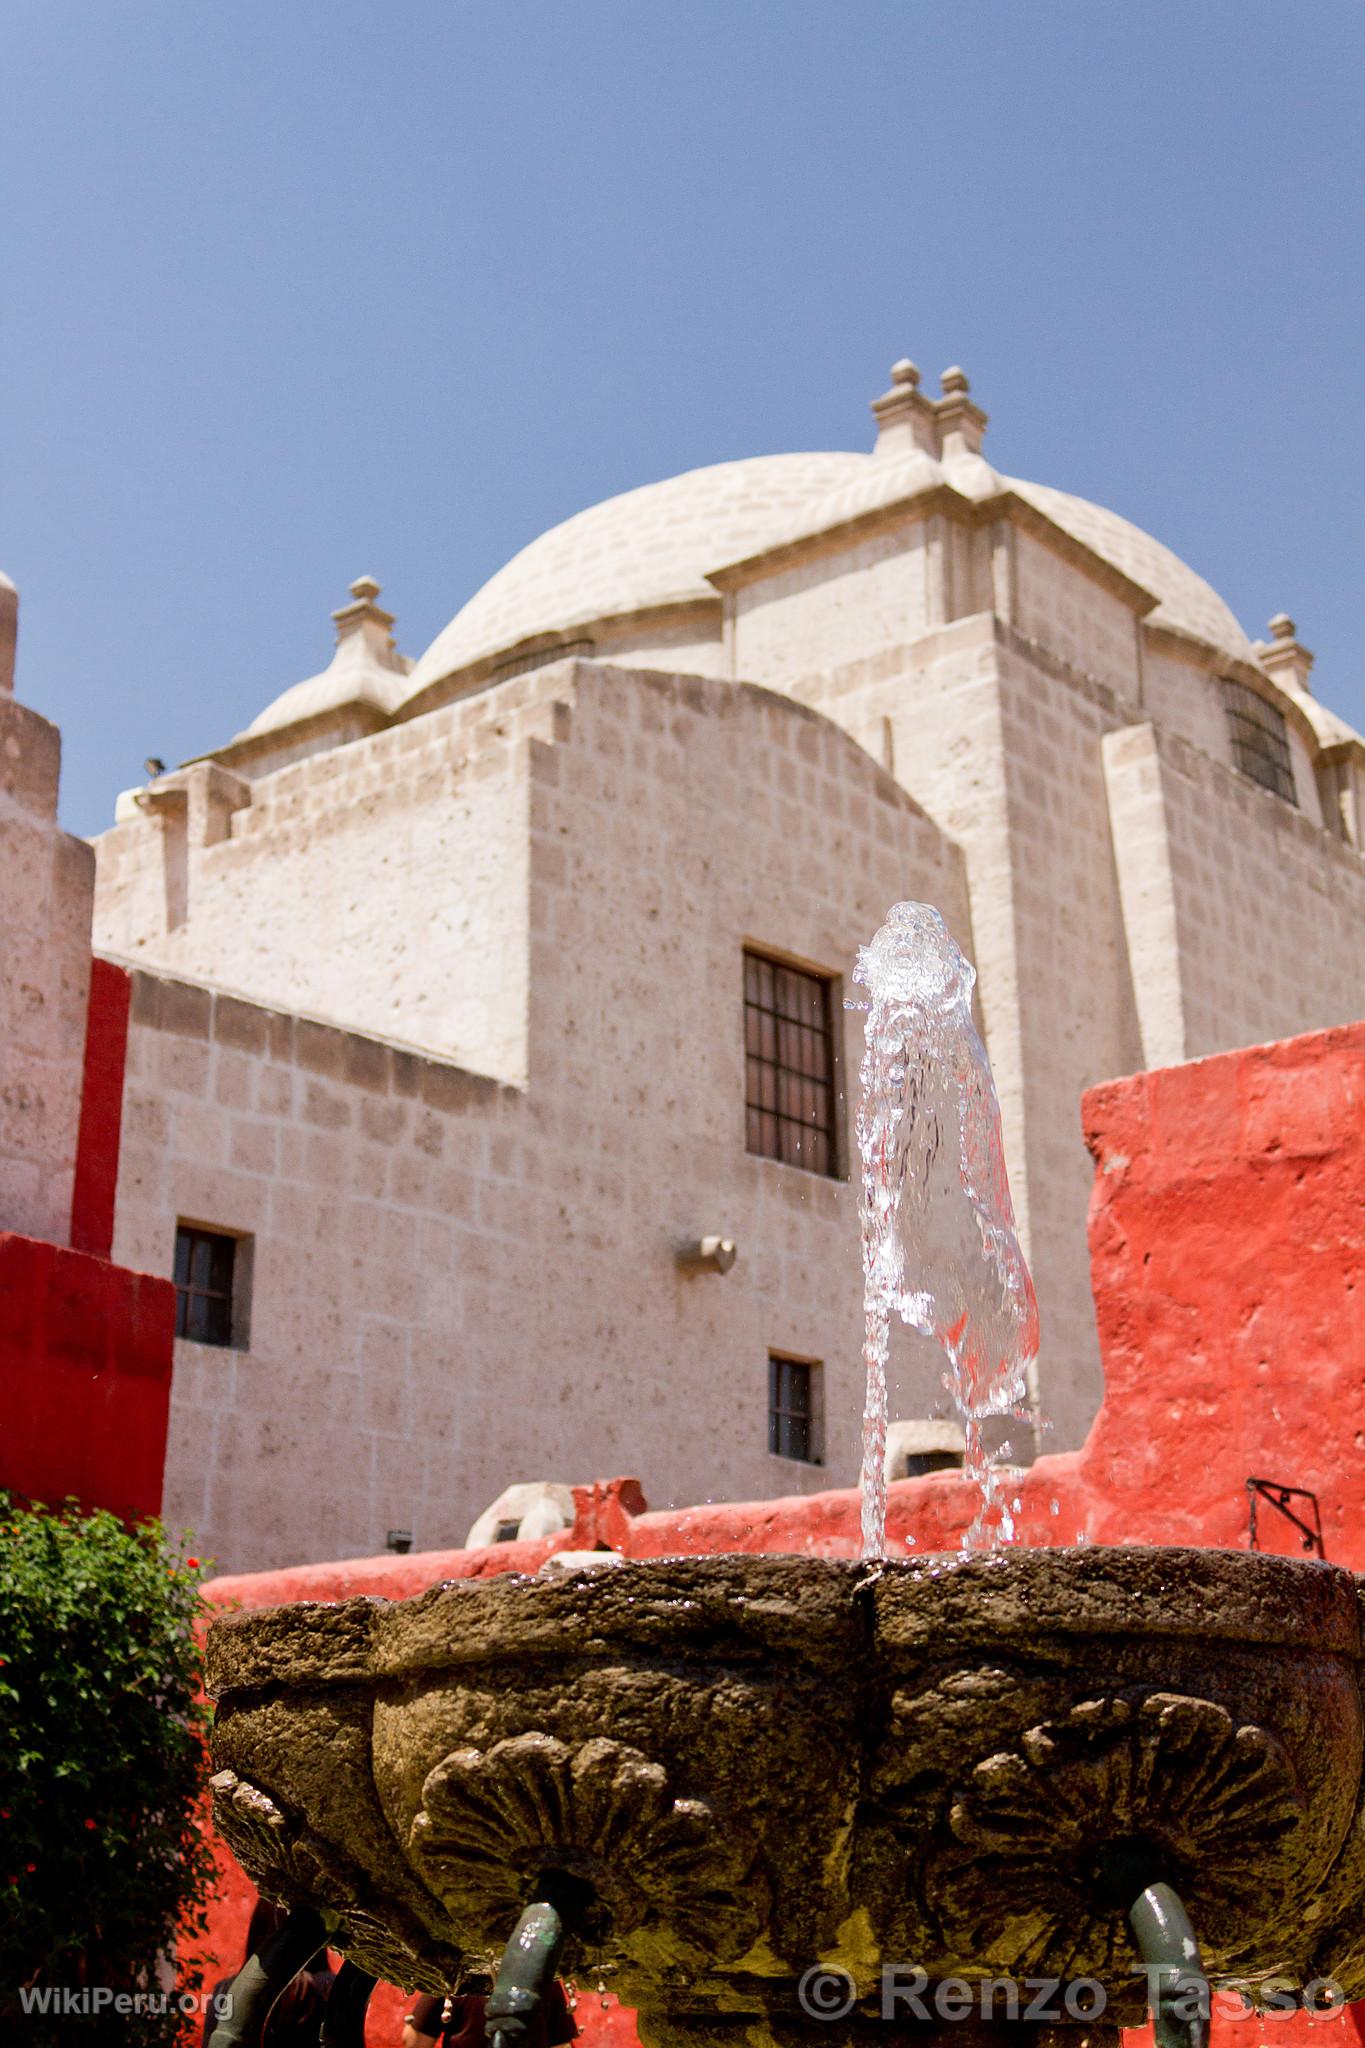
(1002, 743)
(382, 884)
(1134, 898)
(1246, 918)
(833, 607)
(456, 1283)
(1081, 624)
(46, 888)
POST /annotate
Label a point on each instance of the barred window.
(789, 1065)
(793, 1404)
(210, 1305)
(1260, 740)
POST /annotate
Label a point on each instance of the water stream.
(939, 1245)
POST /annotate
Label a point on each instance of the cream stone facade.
(457, 1278)
(47, 884)
(439, 962)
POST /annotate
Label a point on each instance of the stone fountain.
(724, 1772)
(1018, 1792)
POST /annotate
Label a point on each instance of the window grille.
(1260, 740)
(204, 1269)
(789, 1065)
(792, 1421)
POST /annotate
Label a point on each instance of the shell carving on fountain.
(599, 1812)
(1022, 1882)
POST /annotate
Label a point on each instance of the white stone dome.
(645, 548)
(655, 546)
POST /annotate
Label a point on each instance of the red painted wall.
(85, 1377)
(86, 1346)
(101, 1125)
(1227, 1240)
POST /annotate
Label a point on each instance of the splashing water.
(939, 1243)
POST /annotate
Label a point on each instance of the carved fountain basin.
(748, 1765)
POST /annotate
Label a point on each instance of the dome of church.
(647, 547)
(655, 546)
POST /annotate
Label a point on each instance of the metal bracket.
(1279, 1497)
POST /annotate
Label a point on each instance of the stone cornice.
(567, 643)
(255, 746)
(919, 506)
(1217, 661)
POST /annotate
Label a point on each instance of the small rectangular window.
(793, 1409)
(1260, 740)
(789, 1065)
(207, 1279)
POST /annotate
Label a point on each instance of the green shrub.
(102, 1865)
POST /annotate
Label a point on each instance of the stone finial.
(1284, 658)
(349, 617)
(904, 416)
(370, 620)
(9, 634)
(961, 423)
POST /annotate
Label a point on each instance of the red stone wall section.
(1227, 1244)
(86, 1346)
(101, 1125)
(85, 1377)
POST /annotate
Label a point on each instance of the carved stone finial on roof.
(1285, 658)
(961, 422)
(904, 416)
(363, 610)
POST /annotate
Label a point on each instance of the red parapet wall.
(85, 1377)
(1227, 1241)
(1227, 1249)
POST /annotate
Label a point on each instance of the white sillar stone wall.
(1134, 899)
(550, 883)
(1265, 912)
(1073, 616)
(460, 1283)
(382, 885)
(832, 608)
(1004, 751)
(46, 884)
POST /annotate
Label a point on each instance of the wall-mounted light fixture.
(706, 1255)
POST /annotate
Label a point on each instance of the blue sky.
(295, 292)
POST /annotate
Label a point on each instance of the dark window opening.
(1260, 740)
(507, 1532)
(789, 1065)
(205, 1263)
(917, 1463)
(793, 1425)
